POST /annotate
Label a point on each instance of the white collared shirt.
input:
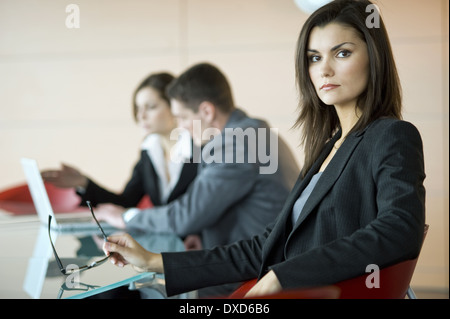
(179, 154)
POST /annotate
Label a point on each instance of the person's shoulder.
(391, 124)
(384, 130)
(244, 121)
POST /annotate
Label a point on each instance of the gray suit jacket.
(238, 191)
(368, 207)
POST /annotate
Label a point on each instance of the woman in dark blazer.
(160, 176)
(360, 198)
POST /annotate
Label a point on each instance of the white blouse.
(179, 154)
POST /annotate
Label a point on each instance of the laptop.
(65, 222)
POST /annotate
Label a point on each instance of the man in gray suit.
(246, 171)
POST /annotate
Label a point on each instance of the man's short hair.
(202, 82)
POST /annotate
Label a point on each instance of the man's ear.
(207, 111)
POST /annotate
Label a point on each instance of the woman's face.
(153, 112)
(338, 64)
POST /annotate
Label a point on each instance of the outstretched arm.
(66, 177)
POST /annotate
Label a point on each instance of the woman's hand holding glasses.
(124, 249)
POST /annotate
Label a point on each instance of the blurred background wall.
(65, 93)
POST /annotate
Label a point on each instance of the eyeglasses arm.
(58, 261)
(98, 224)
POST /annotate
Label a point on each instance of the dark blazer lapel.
(151, 180)
(282, 229)
(330, 175)
(187, 175)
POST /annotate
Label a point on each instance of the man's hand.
(112, 214)
(66, 177)
(193, 242)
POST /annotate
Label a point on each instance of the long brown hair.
(156, 81)
(382, 98)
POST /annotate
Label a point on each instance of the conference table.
(28, 268)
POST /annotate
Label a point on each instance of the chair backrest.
(18, 200)
(145, 202)
(240, 292)
(393, 282)
(326, 292)
(18, 193)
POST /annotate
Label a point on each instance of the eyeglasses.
(69, 271)
(79, 287)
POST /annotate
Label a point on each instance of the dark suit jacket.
(144, 181)
(368, 207)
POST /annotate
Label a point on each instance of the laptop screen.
(37, 190)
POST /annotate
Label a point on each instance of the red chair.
(394, 284)
(18, 200)
(145, 202)
(326, 292)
